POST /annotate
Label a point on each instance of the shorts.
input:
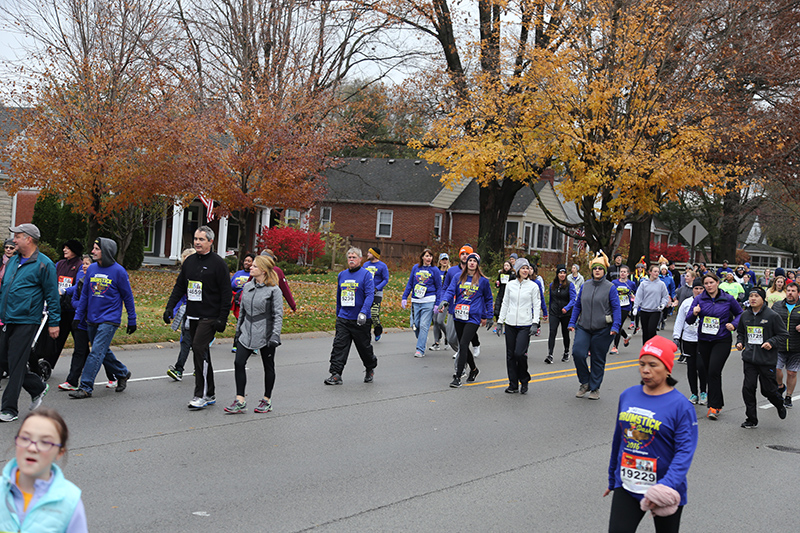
(789, 361)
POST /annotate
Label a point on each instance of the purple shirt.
(724, 308)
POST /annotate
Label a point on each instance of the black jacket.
(767, 326)
(214, 292)
(790, 322)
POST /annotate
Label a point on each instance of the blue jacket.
(356, 290)
(56, 505)
(428, 277)
(626, 291)
(380, 275)
(477, 298)
(105, 287)
(25, 289)
(669, 282)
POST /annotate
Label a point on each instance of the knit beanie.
(662, 349)
(466, 248)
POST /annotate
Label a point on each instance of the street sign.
(694, 232)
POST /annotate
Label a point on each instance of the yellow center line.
(570, 372)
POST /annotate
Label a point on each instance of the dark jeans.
(65, 328)
(714, 354)
(15, 348)
(555, 322)
(466, 333)
(649, 324)
(375, 315)
(626, 515)
(596, 342)
(765, 375)
(202, 332)
(695, 369)
(622, 333)
(240, 374)
(517, 339)
(348, 331)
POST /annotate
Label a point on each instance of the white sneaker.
(111, 384)
(476, 351)
(198, 403)
(419, 354)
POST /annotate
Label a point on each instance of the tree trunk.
(494, 203)
(245, 233)
(640, 241)
(729, 227)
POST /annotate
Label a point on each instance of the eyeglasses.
(41, 446)
(10, 247)
(598, 268)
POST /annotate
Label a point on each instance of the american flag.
(209, 203)
(581, 244)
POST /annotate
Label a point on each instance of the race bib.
(624, 299)
(755, 335)
(194, 292)
(637, 473)
(64, 282)
(462, 312)
(504, 279)
(420, 290)
(710, 325)
(348, 298)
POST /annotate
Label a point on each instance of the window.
(325, 219)
(763, 261)
(556, 239)
(437, 226)
(527, 236)
(384, 225)
(232, 241)
(543, 237)
(512, 232)
(292, 217)
(149, 237)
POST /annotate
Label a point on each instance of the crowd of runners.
(42, 303)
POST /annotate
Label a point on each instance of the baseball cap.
(28, 229)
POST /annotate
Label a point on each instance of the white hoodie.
(521, 304)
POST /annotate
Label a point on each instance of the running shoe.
(523, 389)
(7, 417)
(369, 375)
(781, 411)
(713, 414)
(614, 350)
(80, 394)
(594, 395)
(122, 383)
(476, 351)
(694, 399)
(747, 424)
(456, 383)
(549, 359)
(472, 375)
(233, 350)
(236, 407)
(378, 337)
(176, 375)
(787, 402)
(67, 386)
(565, 357)
(703, 398)
(631, 326)
(781, 389)
(435, 347)
(36, 401)
(111, 384)
(455, 354)
(512, 390)
(197, 403)
(582, 391)
(419, 354)
(210, 400)
(636, 330)
(626, 341)
(264, 406)
(335, 379)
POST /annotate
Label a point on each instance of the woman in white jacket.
(519, 313)
(685, 336)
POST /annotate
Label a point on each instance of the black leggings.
(714, 354)
(622, 333)
(555, 321)
(649, 324)
(240, 374)
(626, 515)
(695, 368)
(466, 332)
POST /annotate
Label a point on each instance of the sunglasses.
(10, 247)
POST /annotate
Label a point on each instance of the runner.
(519, 312)
(29, 282)
(259, 327)
(576, 278)
(639, 274)
(37, 496)
(354, 293)
(104, 291)
(724, 269)
(685, 291)
(669, 281)
(789, 353)
(470, 296)
(180, 324)
(238, 280)
(595, 320)
(204, 280)
(651, 298)
(776, 291)
(504, 275)
(380, 276)
(655, 438)
(454, 273)
(717, 315)
(732, 287)
(626, 289)
(766, 280)
(439, 329)
(759, 334)
(8, 251)
(613, 270)
(685, 336)
(424, 287)
(562, 300)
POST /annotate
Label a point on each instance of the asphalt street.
(405, 453)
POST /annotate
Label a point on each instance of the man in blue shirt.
(380, 276)
(355, 292)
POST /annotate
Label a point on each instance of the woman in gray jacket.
(258, 328)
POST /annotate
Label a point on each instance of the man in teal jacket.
(29, 281)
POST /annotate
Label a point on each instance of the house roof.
(391, 181)
(765, 249)
(469, 200)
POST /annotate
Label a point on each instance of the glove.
(499, 329)
(272, 344)
(404, 303)
(535, 326)
(676, 341)
(443, 306)
(660, 307)
(635, 311)
(489, 324)
(220, 324)
(131, 329)
(167, 317)
(362, 319)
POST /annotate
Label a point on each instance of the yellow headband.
(375, 254)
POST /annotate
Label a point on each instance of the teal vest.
(50, 512)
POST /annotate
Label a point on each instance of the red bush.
(673, 253)
(292, 244)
